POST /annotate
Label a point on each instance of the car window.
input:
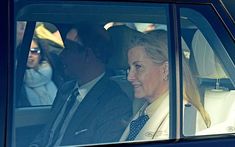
(212, 111)
(20, 28)
(103, 73)
(228, 5)
(107, 79)
(42, 75)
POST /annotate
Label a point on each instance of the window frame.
(168, 8)
(226, 42)
(223, 34)
(175, 56)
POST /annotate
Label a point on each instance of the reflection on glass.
(38, 85)
(214, 85)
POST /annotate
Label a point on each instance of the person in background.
(50, 40)
(39, 88)
(148, 74)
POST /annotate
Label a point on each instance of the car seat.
(219, 99)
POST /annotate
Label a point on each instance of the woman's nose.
(131, 76)
(30, 54)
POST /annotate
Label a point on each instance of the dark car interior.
(210, 85)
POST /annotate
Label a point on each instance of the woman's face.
(146, 76)
(34, 55)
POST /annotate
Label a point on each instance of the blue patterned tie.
(136, 126)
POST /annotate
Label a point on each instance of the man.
(101, 109)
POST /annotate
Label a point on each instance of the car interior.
(216, 89)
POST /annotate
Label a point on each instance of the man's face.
(73, 56)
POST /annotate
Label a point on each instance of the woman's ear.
(165, 68)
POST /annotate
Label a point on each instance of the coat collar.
(152, 127)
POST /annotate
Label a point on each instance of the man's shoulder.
(114, 93)
(68, 85)
(111, 87)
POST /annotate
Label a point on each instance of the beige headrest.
(207, 63)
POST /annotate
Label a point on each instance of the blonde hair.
(155, 45)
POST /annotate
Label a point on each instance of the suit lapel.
(87, 105)
(62, 97)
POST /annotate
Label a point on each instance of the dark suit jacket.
(101, 117)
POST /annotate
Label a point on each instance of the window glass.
(41, 77)
(20, 28)
(108, 77)
(229, 6)
(210, 104)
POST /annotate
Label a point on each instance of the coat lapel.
(127, 130)
(152, 128)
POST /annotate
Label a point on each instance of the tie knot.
(73, 95)
(75, 92)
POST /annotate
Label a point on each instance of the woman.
(148, 74)
(40, 89)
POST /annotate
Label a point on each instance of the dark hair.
(94, 36)
(50, 27)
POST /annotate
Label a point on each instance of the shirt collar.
(84, 89)
(151, 108)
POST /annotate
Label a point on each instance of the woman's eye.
(138, 67)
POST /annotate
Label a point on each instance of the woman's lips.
(30, 60)
(136, 85)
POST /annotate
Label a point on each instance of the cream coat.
(157, 127)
